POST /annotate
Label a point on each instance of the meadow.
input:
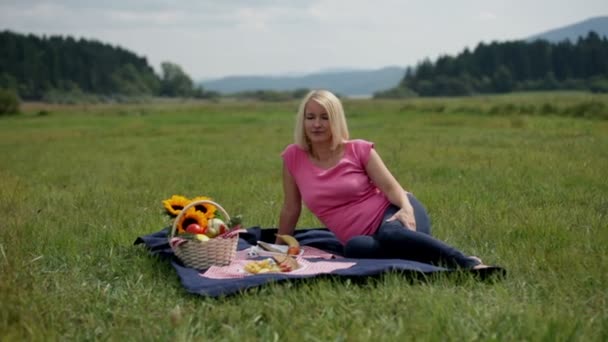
(519, 180)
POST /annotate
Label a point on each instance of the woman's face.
(316, 123)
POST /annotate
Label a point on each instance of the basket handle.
(192, 204)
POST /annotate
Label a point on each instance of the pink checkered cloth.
(307, 267)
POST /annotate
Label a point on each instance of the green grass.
(521, 190)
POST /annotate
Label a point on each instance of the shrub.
(548, 109)
(599, 85)
(587, 109)
(395, 93)
(9, 102)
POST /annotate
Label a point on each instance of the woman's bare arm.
(292, 205)
(386, 182)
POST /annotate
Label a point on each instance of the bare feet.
(476, 267)
(480, 265)
(476, 259)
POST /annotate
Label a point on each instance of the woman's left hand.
(406, 216)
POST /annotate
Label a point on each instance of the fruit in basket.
(194, 228)
(201, 237)
(235, 221)
(215, 227)
(294, 245)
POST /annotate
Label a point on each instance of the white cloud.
(487, 16)
(134, 18)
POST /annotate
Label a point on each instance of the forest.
(56, 68)
(502, 67)
(41, 68)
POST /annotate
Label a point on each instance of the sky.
(214, 39)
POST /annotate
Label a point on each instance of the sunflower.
(189, 217)
(207, 209)
(175, 204)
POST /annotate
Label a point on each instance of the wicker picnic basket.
(218, 251)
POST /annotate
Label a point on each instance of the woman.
(347, 186)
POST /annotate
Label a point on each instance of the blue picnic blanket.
(195, 282)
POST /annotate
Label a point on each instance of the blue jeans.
(393, 240)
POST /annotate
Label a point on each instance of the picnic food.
(215, 227)
(200, 217)
(217, 244)
(286, 262)
(262, 266)
(202, 237)
(294, 245)
(194, 228)
(279, 263)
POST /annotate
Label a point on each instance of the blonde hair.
(337, 120)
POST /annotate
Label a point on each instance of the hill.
(366, 82)
(348, 82)
(572, 32)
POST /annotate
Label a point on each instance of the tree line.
(38, 68)
(55, 68)
(501, 67)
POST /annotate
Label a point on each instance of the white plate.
(276, 249)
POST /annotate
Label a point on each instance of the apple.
(194, 228)
(293, 250)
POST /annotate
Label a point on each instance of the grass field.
(523, 189)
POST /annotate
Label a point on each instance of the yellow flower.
(175, 204)
(189, 217)
(205, 208)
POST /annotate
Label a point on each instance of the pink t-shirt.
(343, 197)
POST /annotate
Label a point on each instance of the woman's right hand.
(406, 216)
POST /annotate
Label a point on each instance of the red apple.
(194, 228)
(293, 250)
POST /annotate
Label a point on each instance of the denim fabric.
(393, 240)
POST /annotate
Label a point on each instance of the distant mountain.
(572, 32)
(350, 82)
(345, 82)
